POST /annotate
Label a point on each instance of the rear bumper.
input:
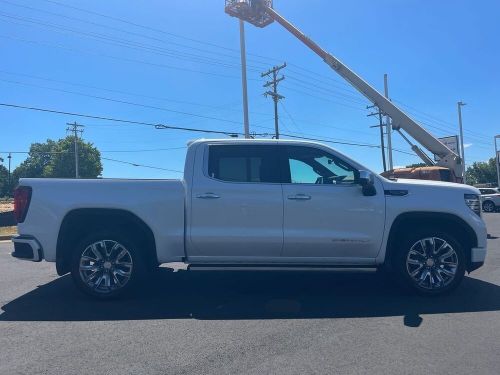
(27, 248)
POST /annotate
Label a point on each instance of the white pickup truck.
(252, 203)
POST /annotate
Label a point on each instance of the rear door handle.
(299, 197)
(208, 196)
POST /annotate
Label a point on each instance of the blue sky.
(181, 57)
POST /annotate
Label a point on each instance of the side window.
(244, 163)
(308, 165)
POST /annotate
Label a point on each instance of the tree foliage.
(416, 165)
(56, 159)
(482, 173)
(4, 181)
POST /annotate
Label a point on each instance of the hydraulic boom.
(260, 13)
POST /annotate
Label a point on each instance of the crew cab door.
(326, 215)
(236, 204)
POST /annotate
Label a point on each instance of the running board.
(275, 267)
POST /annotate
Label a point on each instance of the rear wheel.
(105, 265)
(430, 262)
(489, 206)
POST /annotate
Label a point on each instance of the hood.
(402, 183)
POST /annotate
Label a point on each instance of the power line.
(126, 43)
(224, 107)
(100, 54)
(168, 127)
(124, 102)
(101, 151)
(122, 30)
(194, 40)
(103, 158)
(142, 165)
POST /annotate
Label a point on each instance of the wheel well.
(80, 222)
(442, 221)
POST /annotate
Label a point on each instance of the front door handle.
(208, 196)
(299, 197)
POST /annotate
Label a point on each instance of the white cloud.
(467, 145)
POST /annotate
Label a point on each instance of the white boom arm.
(400, 120)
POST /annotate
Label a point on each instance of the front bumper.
(477, 258)
(27, 248)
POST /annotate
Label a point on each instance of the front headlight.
(472, 200)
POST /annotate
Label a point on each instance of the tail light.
(22, 198)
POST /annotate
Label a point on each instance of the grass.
(8, 231)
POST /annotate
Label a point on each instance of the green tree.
(416, 165)
(482, 173)
(54, 159)
(4, 180)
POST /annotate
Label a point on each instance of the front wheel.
(489, 206)
(105, 265)
(430, 262)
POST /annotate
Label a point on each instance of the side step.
(277, 267)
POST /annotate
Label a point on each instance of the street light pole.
(497, 159)
(10, 157)
(460, 105)
(244, 79)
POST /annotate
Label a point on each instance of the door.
(326, 214)
(237, 205)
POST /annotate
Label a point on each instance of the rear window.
(244, 163)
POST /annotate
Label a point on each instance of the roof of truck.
(249, 141)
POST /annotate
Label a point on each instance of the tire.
(106, 264)
(489, 206)
(430, 262)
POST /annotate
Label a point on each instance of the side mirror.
(367, 182)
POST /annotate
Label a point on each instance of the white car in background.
(490, 198)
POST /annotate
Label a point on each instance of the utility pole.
(246, 121)
(9, 180)
(389, 126)
(497, 159)
(274, 94)
(460, 104)
(74, 128)
(381, 126)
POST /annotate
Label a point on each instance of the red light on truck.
(22, 198)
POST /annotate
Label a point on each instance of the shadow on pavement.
(232, 295)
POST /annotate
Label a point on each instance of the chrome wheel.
(488, 206)
(432, 263)
(105, 266)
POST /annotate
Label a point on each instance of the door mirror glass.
(367, 182)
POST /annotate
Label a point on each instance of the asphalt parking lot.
(249, 322)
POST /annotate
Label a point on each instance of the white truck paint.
(204, 220)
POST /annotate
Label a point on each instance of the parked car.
(253, 203)
(490, 198)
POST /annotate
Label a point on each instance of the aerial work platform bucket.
(252, 11)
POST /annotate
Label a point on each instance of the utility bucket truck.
(261, 13)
